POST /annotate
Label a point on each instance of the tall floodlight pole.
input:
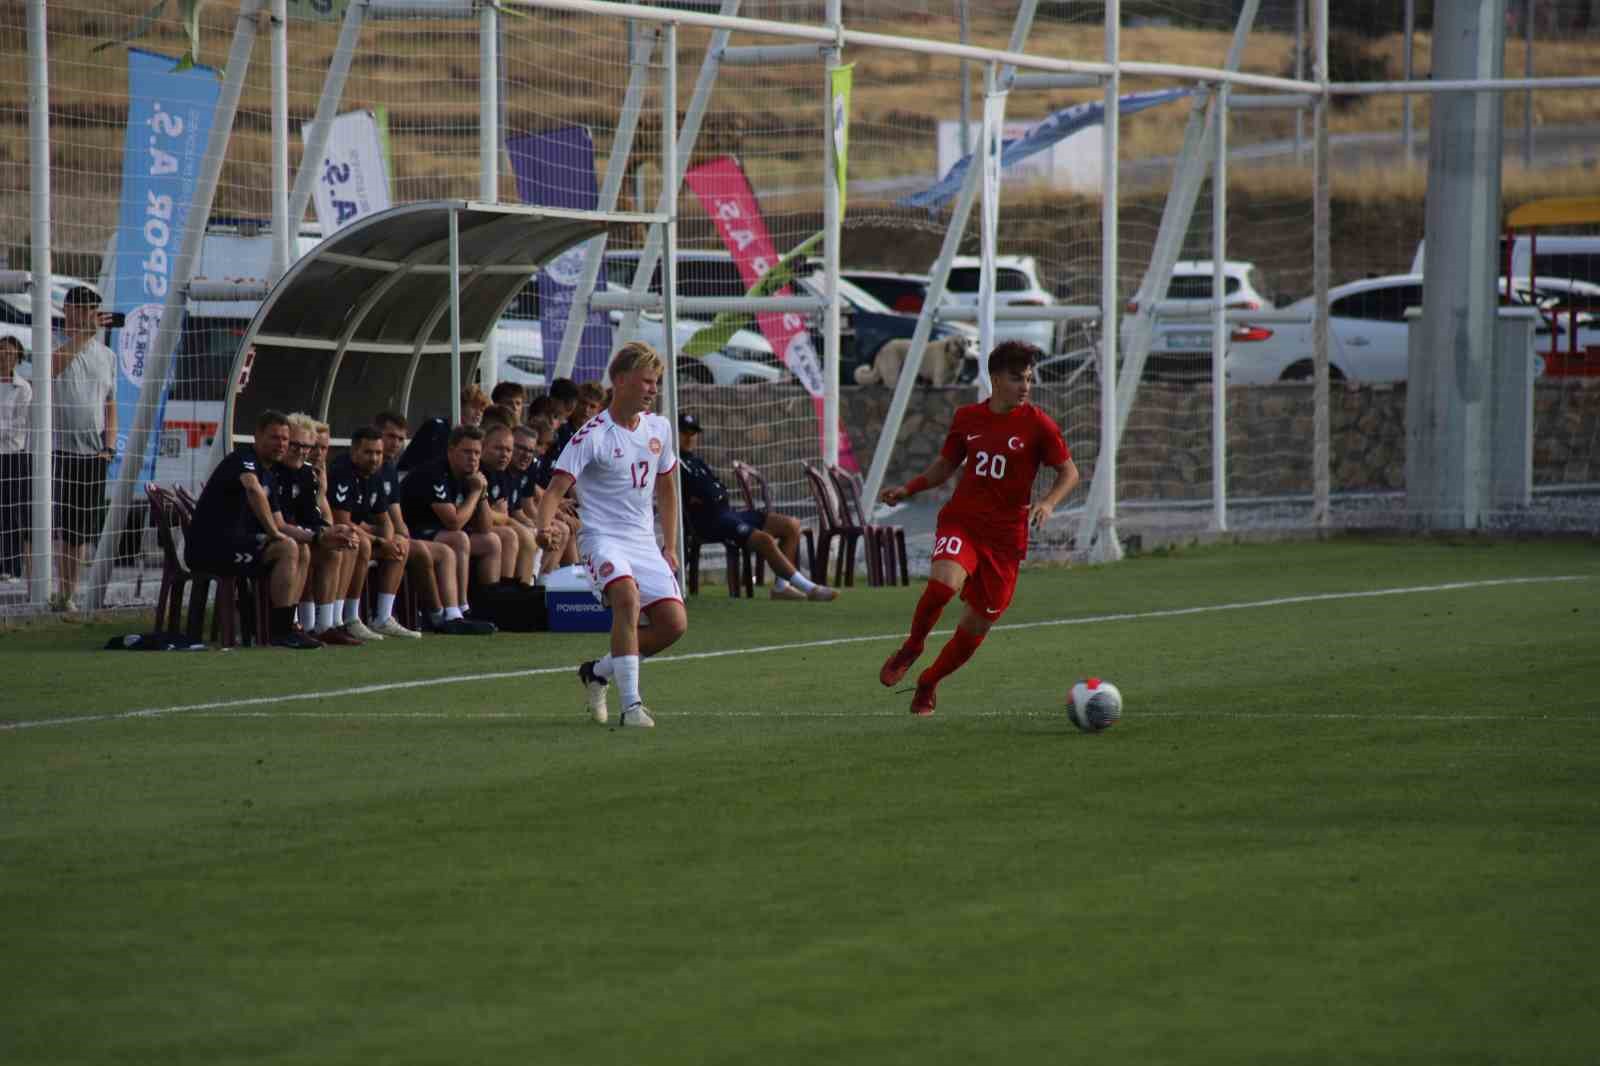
(1451, 400)
(489, 148)
(1102, 543)
(831, 227)
(278, 37)
(159, 364)
(40, 574)
(1321, 252)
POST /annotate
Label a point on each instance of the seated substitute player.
(775, 537)
(328, 551)
(519, 548)
(429, 564)
(360, 496)
(234, 530)
(982, 533)
(513, 397)
(440, 503)
(621, 461)
(524, 505)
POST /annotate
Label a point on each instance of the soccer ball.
(1094, 705)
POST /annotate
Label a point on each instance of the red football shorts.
(991, 575)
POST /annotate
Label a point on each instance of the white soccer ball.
(1094, 705)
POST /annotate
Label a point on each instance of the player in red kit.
(982, 534)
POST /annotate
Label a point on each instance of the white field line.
(459, 679)
(897, 713)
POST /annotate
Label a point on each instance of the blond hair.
(302, 422)
(635, 355)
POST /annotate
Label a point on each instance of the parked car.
(1368, 338)
(866, 323)
(746, 359)
(1016, 285)
(1560, 255)
(901, 293)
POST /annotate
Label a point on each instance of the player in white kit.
(622, 462)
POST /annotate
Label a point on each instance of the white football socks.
(306, 614)
(604, 667)
(327, 617)
(352, 611)
(626, 670)
(798, 580)
(385, 608)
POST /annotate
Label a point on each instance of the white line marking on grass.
(1023, 712)
(458, 679)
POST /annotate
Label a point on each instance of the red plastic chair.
(885, 545)
(741, 567)
(242, 608)
(832, 527)
(175, 576)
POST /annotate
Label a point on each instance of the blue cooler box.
(570, 604)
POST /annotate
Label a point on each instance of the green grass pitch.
(1332, 827)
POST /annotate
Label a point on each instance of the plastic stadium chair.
(174, 575)
(741, 566)
(885, 545)
(831, 527)
(242, 602)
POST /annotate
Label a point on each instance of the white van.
(1560, 255)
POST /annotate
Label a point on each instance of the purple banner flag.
(556, 169)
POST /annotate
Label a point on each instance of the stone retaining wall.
(1166, 452)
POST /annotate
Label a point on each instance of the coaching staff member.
(235, 531)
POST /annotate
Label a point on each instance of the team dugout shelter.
(363, 321)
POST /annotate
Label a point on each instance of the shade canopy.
(1556, 211)
(361, 322)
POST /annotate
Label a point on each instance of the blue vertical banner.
(169, 123)
(556, 169)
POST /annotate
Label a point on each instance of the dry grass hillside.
(562, 70)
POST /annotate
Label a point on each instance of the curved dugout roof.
(361, 323)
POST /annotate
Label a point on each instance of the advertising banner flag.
(1044, 133)
(723, 190)
(169, 123)
(352, 178)
(839, 82)
(556, 169)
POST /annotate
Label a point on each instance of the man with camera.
(85, 418)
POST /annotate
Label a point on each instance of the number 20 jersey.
(999, 457)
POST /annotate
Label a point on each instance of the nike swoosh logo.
(990, 610)
(974, 436)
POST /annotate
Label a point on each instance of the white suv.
(1016, 285)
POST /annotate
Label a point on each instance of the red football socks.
(926, 616)
(951, 657)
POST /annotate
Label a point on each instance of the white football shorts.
(609, 559)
